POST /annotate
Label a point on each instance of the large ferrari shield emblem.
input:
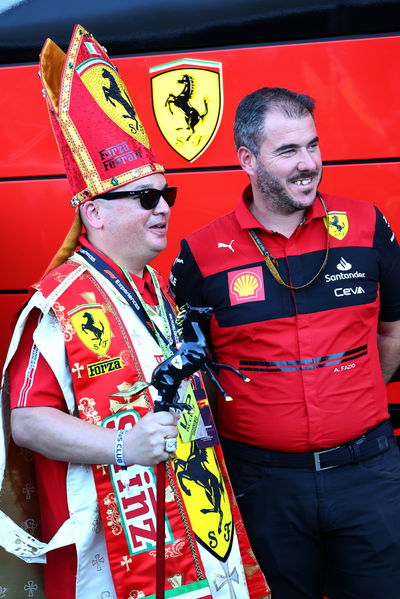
(205, 497)
(110, 93)
(187, 103)
(92, 327)
(338, 224)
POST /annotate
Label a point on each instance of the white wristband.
(119, 447)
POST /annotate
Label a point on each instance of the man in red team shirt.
(98, 323)
(306, 297)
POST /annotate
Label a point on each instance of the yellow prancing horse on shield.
(187, 103)
(182, 101)
(92, 327)
(337, 224)
(206, 498)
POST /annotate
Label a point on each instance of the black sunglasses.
(148, 198)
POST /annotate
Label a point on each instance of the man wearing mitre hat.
(98, 322)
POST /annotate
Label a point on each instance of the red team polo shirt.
(311, 353)
(37, 386)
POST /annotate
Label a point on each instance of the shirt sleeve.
(388, 250)
(32, 382)
(186, 280)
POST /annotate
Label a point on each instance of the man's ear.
(91, 214)
(247, 160)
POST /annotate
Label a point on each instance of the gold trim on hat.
(82, 157)
(115, 182)
(74, 140)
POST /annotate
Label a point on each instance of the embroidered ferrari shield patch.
(205, 497)
(92, 327)
(187, 102)
(338, 224)
(110, 93)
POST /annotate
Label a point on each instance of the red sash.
(102, 361)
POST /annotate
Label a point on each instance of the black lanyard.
(129, 294)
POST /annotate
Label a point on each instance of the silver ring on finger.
(170, 444)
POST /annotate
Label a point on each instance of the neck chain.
(272, 263)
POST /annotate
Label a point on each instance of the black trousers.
(333, 532)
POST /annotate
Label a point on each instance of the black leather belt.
(372, 443)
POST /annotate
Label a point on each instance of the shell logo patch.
(110, 93)
(338, 224)
(246, 285)
(92, 327)
(187, 102)
(206, 498)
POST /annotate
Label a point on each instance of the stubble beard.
(278, 198)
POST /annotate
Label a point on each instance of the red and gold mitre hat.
(99, 134)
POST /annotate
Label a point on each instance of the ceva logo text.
(341, 291)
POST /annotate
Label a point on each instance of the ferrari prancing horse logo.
(206, 498)
(338, 224)
(187, 104)
(92, 327)
(109, 91)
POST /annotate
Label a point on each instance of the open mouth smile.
(301, 182)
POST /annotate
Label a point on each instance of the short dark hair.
(250, 114)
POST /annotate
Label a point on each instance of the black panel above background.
(142, 26)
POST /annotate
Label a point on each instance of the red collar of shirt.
(248, 221)
(144, 285)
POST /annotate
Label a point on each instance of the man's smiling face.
(288, 165)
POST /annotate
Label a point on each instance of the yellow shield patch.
(187, 103)
(205, 497)
(92, 327)
(338, 224)
(110, 93)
